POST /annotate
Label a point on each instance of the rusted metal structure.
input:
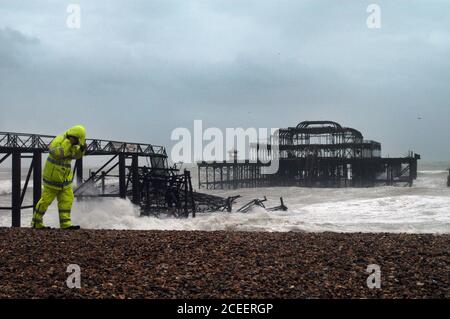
(313, 154)
(154, 186)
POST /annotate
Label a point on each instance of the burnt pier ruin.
(312, 154)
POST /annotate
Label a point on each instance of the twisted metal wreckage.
(141, 172)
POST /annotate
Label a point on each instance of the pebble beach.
(219, 264)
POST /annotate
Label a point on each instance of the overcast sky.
(136, 70)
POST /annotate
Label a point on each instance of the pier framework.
(313, 154)
(154, 186)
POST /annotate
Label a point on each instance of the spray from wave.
(6, 186)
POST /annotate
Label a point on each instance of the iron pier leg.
(103, 182)
(135, 179)
(79, 168)
(16, 188)
(37, 177)
(191, 192)
(198, 176)
(122, 177)
(186, 176)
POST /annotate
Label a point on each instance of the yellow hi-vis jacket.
(57, 170)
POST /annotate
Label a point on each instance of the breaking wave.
(6, 186)
(424, 208)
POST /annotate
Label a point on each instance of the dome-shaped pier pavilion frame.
(313, 154)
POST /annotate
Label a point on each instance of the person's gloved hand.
(74, 150)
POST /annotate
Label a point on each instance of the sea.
(422, 208)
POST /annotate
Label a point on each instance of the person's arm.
(60, 148)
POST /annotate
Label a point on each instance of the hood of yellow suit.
(78, 131)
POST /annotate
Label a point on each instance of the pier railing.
(24, 142)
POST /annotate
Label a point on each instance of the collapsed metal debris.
(139, 172)
(260, 203)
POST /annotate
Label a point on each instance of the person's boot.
(38, 221)
(40, 227)
(73, 227)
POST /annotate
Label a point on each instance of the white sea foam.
(6, 186)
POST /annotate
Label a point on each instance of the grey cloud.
(14, 47)
(157, 65)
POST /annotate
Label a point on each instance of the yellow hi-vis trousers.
(65, 200)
